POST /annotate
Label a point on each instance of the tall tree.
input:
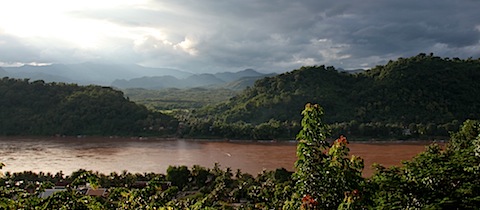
(325, 177)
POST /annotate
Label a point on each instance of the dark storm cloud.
(265, 32)
(407, 27)
(283, 35)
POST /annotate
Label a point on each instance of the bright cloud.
(54, 19)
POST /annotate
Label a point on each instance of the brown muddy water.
(107, 155)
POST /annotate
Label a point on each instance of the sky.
(207, 36)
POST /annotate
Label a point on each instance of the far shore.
(156, 138)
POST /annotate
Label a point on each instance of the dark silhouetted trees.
(38, 108)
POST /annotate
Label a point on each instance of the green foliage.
(86, 177)
(435, 179)
(325, 176)
(395, 100)
(465, 137)
(178, 175)
(209, 128)
(70, 200)
(282, 96)
(38, 108)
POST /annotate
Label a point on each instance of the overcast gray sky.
(231, 35)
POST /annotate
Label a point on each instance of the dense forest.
(424, 96)
(418, 97)
(39, 108)
(326, 177)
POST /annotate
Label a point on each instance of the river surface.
(107, 155)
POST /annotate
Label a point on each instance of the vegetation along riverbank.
(325, 177)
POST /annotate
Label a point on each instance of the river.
(106, 155)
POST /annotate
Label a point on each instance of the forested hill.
(424, 93)
(39, 108)
(421, 89)
(282, 97)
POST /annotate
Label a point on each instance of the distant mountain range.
(132, 76)
(230, 80)
(88, 73)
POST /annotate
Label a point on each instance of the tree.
(178, 175)
(435, 179)
(324, 176)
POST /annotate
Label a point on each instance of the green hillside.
(39, 108)
(422, 89)
(423, 95)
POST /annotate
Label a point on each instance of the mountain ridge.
(242, 79)
(128, 75)
(90, 73)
